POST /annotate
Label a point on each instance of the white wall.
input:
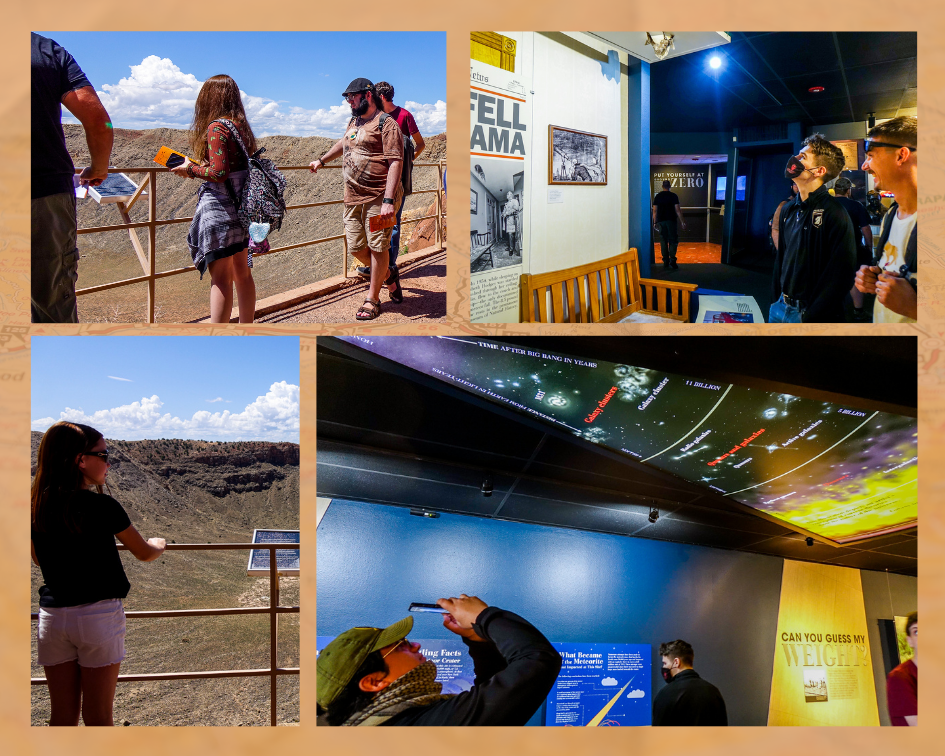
(571, 90)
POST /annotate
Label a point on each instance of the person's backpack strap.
(235, 132)
(884, 231)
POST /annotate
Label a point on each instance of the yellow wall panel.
(823, 672)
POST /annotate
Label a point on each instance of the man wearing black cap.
(370, 676)
(373, 150)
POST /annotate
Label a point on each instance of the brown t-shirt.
(367, 150)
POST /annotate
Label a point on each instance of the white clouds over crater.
(272, 417)
(158, 94)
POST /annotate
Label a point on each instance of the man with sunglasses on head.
(816, 258)
(371, 676)
(891, 158)
(373, 150)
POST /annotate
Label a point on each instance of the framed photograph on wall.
(473, 201)
(576, 157)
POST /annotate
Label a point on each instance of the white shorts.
(93, 634)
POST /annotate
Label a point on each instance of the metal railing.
(273, 610)
(148, 260)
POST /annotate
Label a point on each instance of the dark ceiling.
(389, 438)
(765, 78)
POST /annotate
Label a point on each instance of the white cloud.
(116, 378)
(636, 694)
(431, 119)
(609, 681)
(272, 417)
(158, 94)
(218, 399)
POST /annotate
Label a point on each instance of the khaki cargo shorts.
(357, 224)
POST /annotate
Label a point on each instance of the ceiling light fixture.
(715, 61)
(661, 42)
(654, 514)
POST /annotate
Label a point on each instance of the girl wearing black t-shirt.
(81, 634)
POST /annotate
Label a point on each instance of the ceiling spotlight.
(654, 514)
(809, 541)
(661, 42)
(486, 486)
(715, 61)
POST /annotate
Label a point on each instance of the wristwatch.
(387, 201)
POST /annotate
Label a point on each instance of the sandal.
(396, 295)
(369, 310)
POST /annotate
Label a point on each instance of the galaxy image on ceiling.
(838, 471)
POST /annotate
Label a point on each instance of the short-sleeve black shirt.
(665, 203)
(54, 73)
(84, 567)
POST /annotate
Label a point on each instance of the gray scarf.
(416, 688)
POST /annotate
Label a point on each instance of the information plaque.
(287, 560)
(601, 685)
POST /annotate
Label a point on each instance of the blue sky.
(212, 388)
(292, 81)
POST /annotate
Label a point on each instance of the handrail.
(148, 260)
(273, 610)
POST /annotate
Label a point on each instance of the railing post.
(273, 633)
(152, 237)
(439, 202)
(344, 258)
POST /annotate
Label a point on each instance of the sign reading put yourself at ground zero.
(287, 560)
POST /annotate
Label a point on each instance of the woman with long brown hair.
(73, 526)
(216, 239)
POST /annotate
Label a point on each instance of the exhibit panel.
(547, 161)
(576, 587)
(823, 674)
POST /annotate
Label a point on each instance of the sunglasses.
(351, 96)
(869, 144)
(396, 646)
(102, 455)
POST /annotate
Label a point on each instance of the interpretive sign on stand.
(287, 560)
(116, 187)
(601, 685)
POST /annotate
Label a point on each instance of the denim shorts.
(93, 634)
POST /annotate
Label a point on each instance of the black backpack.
(261, 199)
(406, 173)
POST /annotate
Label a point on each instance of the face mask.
(794, 168)
(667, 674)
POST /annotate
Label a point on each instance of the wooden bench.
(601, 292)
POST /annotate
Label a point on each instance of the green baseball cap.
(340, 659)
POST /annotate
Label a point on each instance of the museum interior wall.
(579, 586)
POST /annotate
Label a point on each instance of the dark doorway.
(759, 188)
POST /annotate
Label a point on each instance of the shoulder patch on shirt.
(818, 218)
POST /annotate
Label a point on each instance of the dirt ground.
(424, 300)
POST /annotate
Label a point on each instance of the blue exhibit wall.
(575, 586)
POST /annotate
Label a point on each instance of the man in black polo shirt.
(686, 699)
(816, 259)
(842, 189)
(57, 80)
(665, 211)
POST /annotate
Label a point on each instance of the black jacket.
(825, 250)
(689, 700)
(515, 672)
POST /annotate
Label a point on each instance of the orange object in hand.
(379, 222)
(169, 158)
